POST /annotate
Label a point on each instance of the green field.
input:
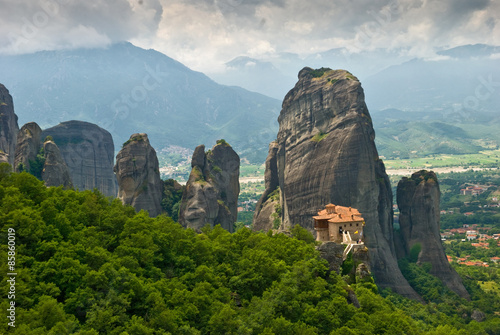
(252, 170)
(483, 159)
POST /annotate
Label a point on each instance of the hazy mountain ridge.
(126, 89)
(396, 69)
(419, 134)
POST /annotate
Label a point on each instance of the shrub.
(319, 136)
(319, 72)
(222, 142)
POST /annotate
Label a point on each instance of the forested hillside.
(86, 264)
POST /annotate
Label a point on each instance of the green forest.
(86, 264)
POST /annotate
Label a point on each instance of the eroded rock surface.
(138, 174)
(332, 253)
(362, 273)
(4, 158)
(8, 126)
(418, 201)
(55, 171)
(265, 207)
(326, 154)
(28, 146)
(211, 195)
(88, 150)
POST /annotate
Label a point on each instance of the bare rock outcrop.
(478, 316)
(327, 154)
(28, 146)
(332, 253)
(418, 201)
(4, 158)
(211, 195)
(363, 273)
(8, 126)
(265, 207)
(55, 171)
(88, 150)
(138, 174)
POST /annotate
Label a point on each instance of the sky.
(205, 34)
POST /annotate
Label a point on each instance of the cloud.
(204, 34)
(29, 26)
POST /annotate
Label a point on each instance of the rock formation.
(138, 174)
(88, 150)
(266, 205)
(332, 253)
(8, 126)
(28, 146)
(4, 158)
(418, 201)
(362, 273)
(211, 195)
(327, 154)
(55, 171)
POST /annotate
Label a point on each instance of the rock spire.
(8, 127)
(418, 201)
(138, 174)
(211, 195)
(326, 154)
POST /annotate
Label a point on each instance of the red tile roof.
(339, 214)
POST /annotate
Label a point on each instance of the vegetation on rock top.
(317, 73)
(137, 138)
(222, 142)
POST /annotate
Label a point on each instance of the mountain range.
(446, 104)
(391, 78)
(126, 89)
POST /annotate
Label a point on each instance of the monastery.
(338, 224)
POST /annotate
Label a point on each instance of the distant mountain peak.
(470, 51)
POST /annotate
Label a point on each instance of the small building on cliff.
(332, 222)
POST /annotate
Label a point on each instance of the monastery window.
(350, 225)
(357, 224)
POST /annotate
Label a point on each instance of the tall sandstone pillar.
(418, 201)
(326, 154)
(89, 151)
(8, 127)
(28, 146)
(138, 174)
(211, 195)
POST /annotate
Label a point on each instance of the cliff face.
(265, 207)
(88, 151)
(55, 171)
(326, 154)
(211, 195)
(418, 201)
(8, 126)
(28, 146)
(138, 174)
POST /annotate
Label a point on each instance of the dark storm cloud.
(455, 13)
(207, 33)
(50, 24)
